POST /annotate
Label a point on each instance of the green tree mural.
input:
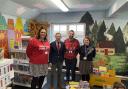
(88, 20)
(112, 30)
(94, 33)
(125, 33)
(100, 36)
(119, 41)
(126, 49)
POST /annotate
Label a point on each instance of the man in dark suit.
(56, 58)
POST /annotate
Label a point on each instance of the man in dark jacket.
(56, 58)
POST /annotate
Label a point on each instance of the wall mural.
(111, 45)
(34, 26)
(19, 29)
(4, 42)
(3, 36)
(10, 24)
(11, 33)
(3, 25)
(26, 27)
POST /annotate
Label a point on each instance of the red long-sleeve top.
(72, 48)
(37, 51)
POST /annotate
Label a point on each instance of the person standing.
(87, 53)
(57, 49)
(38, 54)
(72, 47)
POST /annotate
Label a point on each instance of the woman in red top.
(38, 52)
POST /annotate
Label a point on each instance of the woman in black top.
(87, 53)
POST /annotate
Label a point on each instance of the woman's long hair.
(38, 34)
(87, 37)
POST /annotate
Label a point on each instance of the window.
(79, 30)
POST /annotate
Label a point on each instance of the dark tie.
(58, 46)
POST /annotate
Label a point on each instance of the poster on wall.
(10, 24)
(18, 30)
(12, 41)
(3, 36)
(4, 42)
(11, 33)
(26, 28)
(3, 25)
(11, 36)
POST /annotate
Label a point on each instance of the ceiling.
(32, 8)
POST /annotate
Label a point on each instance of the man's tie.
(58, 46)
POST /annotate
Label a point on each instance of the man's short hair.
(57, 33)
(71, 30)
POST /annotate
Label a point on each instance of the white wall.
(71, 17)
(119, 19)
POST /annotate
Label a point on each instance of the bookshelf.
(21, 64)
(6, 72)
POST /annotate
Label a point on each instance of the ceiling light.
(60, 4)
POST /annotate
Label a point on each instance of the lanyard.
(86, 51)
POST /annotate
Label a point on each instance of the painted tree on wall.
(94, 33)
(112, 30)
(126, 49)
(119, 41)
(100, 35)
(125, 33)
(88, 20)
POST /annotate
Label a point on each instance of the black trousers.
(85, 77)
(70, 65)
(37, 81)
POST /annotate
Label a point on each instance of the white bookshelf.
(22, 72)
(21, 64)
(21, 84)
(6, 72)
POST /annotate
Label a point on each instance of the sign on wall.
(18, 29)
(10, 24)
(3, 25)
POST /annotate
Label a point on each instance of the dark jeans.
(37, 81)
(85, 77)
(70, 65)
(56, 74)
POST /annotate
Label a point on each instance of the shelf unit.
(22, 76)
(21, 84)
(6, 72)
